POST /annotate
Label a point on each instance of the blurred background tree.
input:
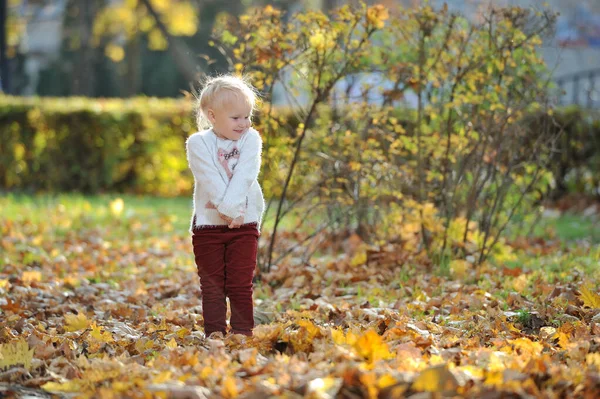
(120, 48)
(111, 48)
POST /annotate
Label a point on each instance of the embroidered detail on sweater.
(224, 158)
(210, 205)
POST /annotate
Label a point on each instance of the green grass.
(86, 211)
(147, 216)
(95, 209)
(558, 266)
(570, 227)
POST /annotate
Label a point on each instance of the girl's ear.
(211, 115)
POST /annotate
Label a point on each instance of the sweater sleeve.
(204, 169)
(245, 174)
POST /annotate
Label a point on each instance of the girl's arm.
(204, 169)
(246, 173)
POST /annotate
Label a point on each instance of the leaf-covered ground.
(100, 298)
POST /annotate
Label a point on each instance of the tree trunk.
(84, 76)
(4, 81)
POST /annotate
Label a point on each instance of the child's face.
(231, 120)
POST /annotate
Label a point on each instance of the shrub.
(78, 144)
(465, 157)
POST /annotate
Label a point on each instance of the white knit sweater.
(225, 177)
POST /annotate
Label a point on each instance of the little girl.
(228, 202)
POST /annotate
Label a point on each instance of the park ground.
(99, 298)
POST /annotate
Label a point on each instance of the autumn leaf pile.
(109, 306)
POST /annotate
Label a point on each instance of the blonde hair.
(218, 90)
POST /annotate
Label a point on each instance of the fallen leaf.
(589, 297)
(372, 347)
(229, 388)
(76, 322)
(16, 353)
(436, 379)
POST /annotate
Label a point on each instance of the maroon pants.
(226, 259)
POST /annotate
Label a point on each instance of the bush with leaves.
(91, 146)
(443, 180)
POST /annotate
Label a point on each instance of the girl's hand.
(236, 223)
(225, 218)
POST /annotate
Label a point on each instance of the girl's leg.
(209, 253)
(240, 258)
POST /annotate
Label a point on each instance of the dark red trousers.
(226, 259)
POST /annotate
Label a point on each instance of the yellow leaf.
(436, 379)
(181, 18)
(527, 346)
(337, 336)
(359, 259)
(206, 372)
(172, 344)
(229, 388)
(372, 347)
(436, 359)
(472, 371)
(317, 40)
(270, 11)
(512, 327)
(385, 381)
(100, 335)
(37, 241)
(143, 345)
(72, 281)
(156, 40)
(563, 339)
(183, 332)
(122, 386)
(326, 387)
(69, 386)
(76, 322)
(31, 276)
(351, 338)
(496, 362)
(589, 297)
(520, 283)
(117, 206)
(162, 377)
(146, 23)
(312, 330)
(495, 378)
(593, 359)
(354, 166)
(16, 353)
(114, 52)
(369, 381)
(377, 14)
